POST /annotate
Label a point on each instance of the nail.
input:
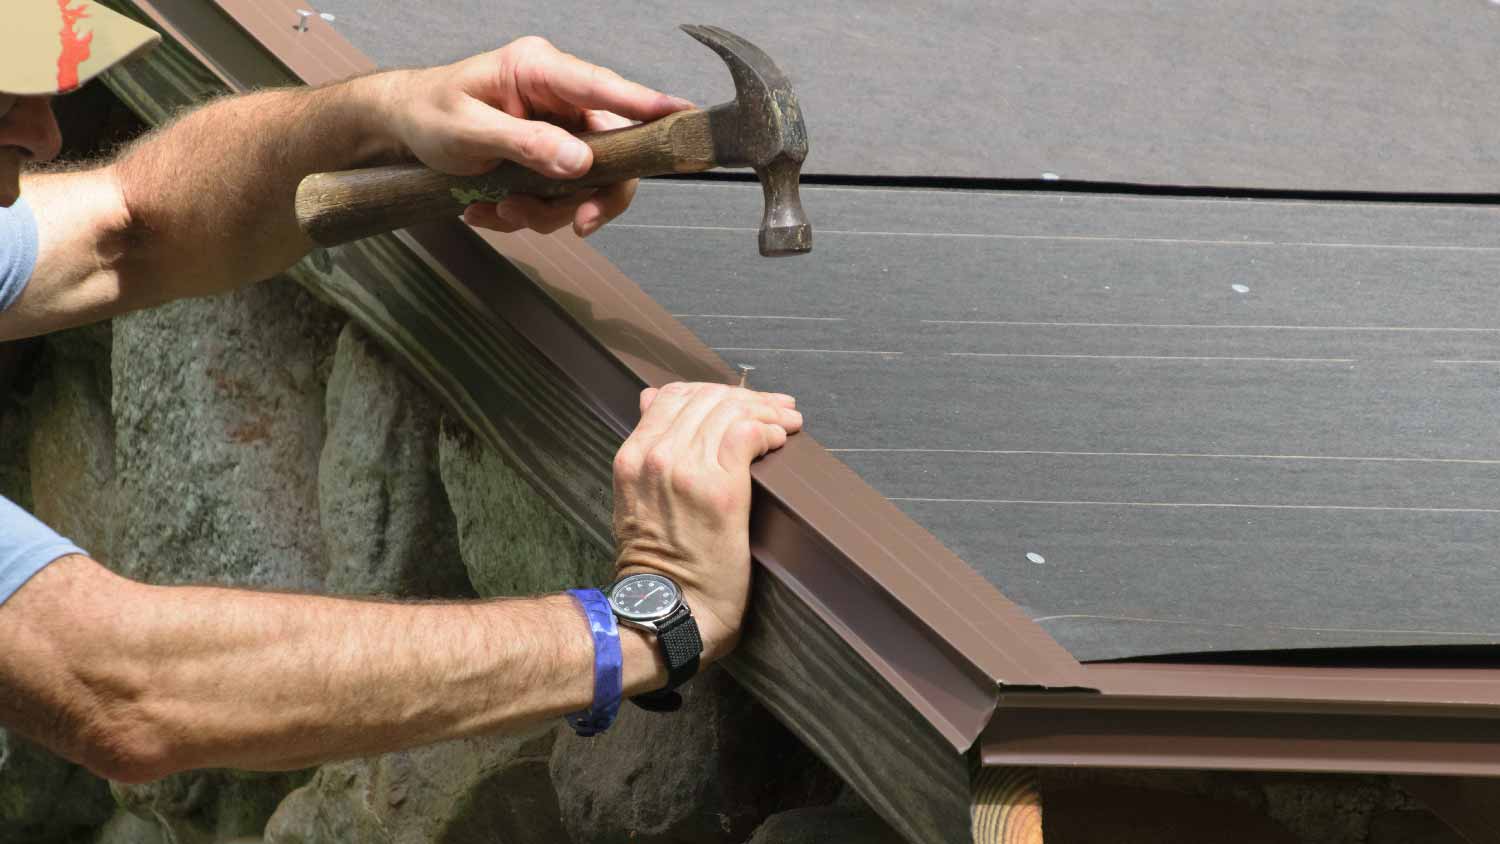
(304, 14)
(745, 370)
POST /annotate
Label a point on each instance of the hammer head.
(762, 128)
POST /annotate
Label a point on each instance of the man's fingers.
(483, 215)
(524, 212)
(542, 215)
(687, 428)
(589, 86)
(611, 201)
(548, 215)
(658, 414)
(606, 205)
(690, 422)
(716, 427)
(748, 440)
(535, 144)
(599, 120)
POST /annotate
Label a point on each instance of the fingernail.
(573, 156)
(680, 104)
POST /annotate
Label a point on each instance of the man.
(137, 681)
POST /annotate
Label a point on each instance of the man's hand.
(682, 495)
(512, 104)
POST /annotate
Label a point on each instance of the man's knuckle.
(746, 432)
(686, 483)
(534, 44)
(627, 461)
(721, 499)
(658, 462)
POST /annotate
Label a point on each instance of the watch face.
(644, 597)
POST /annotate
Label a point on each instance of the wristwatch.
(653, 602)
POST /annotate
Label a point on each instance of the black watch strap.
(677, 636)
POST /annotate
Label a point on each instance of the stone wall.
(260, 439)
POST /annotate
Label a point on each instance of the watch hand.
(647, 595)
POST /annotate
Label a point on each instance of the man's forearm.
(202, 205)
(160, 679)
(210, 196)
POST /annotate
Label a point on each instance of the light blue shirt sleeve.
(26, 547)
(18, 248)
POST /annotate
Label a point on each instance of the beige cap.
(53, 46)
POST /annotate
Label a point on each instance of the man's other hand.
(513, 104)
(682, 495)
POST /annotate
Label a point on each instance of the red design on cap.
(74, 50)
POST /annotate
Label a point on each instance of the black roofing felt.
(1161, 425)
(1335, 95)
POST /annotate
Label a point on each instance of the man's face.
(28, 132)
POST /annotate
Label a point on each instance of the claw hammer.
(760, 128)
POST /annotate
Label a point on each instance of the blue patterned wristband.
(608, 682)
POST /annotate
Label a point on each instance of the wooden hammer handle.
(334, 208)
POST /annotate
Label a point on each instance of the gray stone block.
(218, 407)
(387, 526)
(462, 792)
(128, 828)
(210, 805)
(72, 439)
(825, 825)
(711, 772)
(513, 541)
(43, 797)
